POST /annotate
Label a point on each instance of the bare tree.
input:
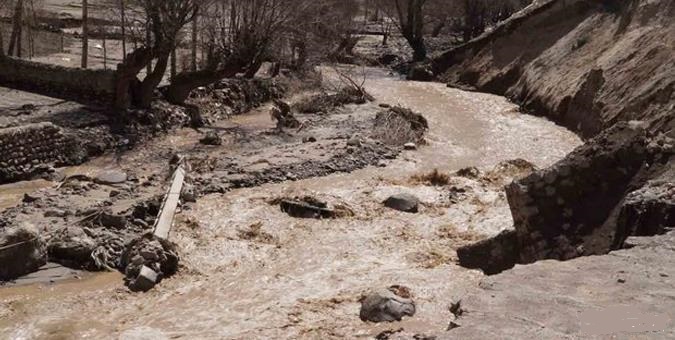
(165, 19)
(240, 38)
(85, 33)
(123, 28)
(3, 7)
(15, 39)
(410, 16)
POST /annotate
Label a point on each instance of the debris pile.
(147, 260)
(22, 250)
(400, 126)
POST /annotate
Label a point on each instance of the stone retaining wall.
(619, 184)
(26, 150)
(57, 81)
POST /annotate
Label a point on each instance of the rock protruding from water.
(421, 72)
(147, 261)
(410, 146)
(111, 177)
(22, 251)
(306, 207)
(211, 138)
(387, 305)
(403, 202)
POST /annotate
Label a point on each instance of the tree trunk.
(85, 33)
(31, 43)
(2, 44)
(302, 55)
(181, 85)
(146, 91)
(194, 43)
(15, 38)
(126, 75)
(105, 53)
(123, 25)
(419, 48)
(437, 29)
(173, 63)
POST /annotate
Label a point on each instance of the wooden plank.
(166, 214)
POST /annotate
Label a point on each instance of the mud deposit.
(252, 271)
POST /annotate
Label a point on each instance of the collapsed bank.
(606, 70)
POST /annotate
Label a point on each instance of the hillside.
(584, 64)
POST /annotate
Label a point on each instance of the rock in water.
(306, 207)
(421, 72)
(211, 138)
(146, 280)
(403, 202)
(22, 251)
(410, 146)
(111, 177)
(385, 306)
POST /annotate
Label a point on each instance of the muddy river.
(250, 271)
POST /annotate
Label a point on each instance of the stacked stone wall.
(58, 81)
(27, 150)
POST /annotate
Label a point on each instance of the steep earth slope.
(586, 64)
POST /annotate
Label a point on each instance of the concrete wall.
(25, 150)
(58, 81)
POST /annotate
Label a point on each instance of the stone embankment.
(30, 149)
(57, 81)
(595, 68)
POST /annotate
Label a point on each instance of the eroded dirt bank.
(584, 64)
(252, 271)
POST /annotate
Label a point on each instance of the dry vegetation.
(435, 178)
(193, 43)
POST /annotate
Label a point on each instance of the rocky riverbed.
(249, 269)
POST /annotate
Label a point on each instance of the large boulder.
(211, 138)
(306, 207)
(22, 251)
(650, 210)
(72, 247)
(421, 72)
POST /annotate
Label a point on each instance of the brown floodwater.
(11, 194)
(296, 278)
